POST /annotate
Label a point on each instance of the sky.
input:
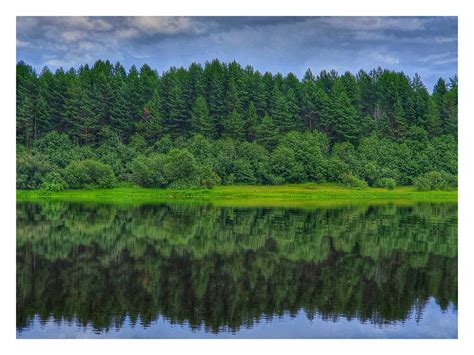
(424, 45)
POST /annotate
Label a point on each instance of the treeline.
(223, 123)
(252, 264)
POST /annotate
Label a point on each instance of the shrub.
(163, 145)
(180, 169)
(435, 180)
(353, 181)
(176, 169)
(30, 169)
(53, 181)
(335, 168)
(387, 183)
(88, 174)
(285, 164)
(148, 171)
(207, 176)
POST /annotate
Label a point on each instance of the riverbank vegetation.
(285, 195)
(224, 124)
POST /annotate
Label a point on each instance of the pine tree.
(251, 123)
(200, 120)
(267, 133)
(26, 88)
(176, 116)
(440, 89)
(294, 122)
(449, 110)
(194, 85)
(120, 117)
(233, 126)
(398, 123)
(342, 116)
(214, 79)
(24, 119)
(256, 91)
(151, 125)
(42, 116)
(134, 94)
(233, 102)
(432, 119)
(420, 99)
(280, 112)
(315, 107)
(80, 116)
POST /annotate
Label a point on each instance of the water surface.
(200, 271)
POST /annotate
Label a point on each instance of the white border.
(465, 343)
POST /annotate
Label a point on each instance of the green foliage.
(30, 170)
(285, 164)
(352, 181)
(181, 169)
(148, 171)
(387, 183)
(54, 181)
(377, 125)
(176, 169)
(435, 180)
(310, 151)
(89, 174)
(200, 120)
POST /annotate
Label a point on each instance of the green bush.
(53, 181)
(177, 169)
(207, 176)
(181, 169)
(435, 180)
(353, 181)
(284, 163)
(387, 183)
(88, 174)
(30, 170)
(148, 171)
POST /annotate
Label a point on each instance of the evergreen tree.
(233, 126)
(151, 125)
(176, 122)
(81, 119)
(120, 117)
(267, 133)
(432, 119)
(281, 114)
(449, 111)
(42, 116)
(398, 122)
(25, 113)
(251, 123)
(200, 120)
(214, 80)
(342, 116)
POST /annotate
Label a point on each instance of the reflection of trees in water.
(226, 267)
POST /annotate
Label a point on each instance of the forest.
(222, 123)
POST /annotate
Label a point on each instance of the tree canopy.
(260, 128)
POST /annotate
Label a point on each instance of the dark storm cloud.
(424, 45)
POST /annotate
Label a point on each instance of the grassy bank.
(301, 194)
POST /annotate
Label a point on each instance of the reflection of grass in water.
(247, 195)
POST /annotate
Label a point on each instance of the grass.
(284, 195)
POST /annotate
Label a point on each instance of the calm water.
(199, 271)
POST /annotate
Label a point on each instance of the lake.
(202, 271)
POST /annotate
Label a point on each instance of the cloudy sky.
(423, 45)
